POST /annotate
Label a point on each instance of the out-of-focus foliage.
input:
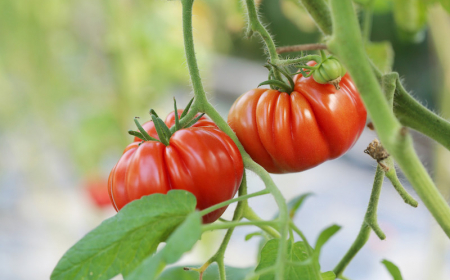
(80, 70)
(83, 69)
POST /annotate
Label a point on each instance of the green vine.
(201, 104)
(346, 43)
(370, 222)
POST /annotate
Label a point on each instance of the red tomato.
(294, 132)
(201, 159)
(98, 192)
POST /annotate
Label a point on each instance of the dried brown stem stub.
(370, 126)
(299, 48)
(377, 152)
(335, 83)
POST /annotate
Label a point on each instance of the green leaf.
(393, 270)
(121, 243)
(295, 203)
(324, 236)
(308, 269)
(149, 269)
(212, 273)
(181, 241)
(382, 55)
(329, 275)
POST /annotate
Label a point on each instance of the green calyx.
(163, 131)
(278, 84)
(328, 71)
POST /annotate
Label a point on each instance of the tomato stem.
(225, 203)
(299, 60)
(370, 222)
(303, 47)
(347, 44)
(256, 25)
(218, 257)
(233, 224)
(391, 174)
(320, 12)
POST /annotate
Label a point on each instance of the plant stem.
(303, 47)
(367, 23)
(237, 224)
(370, 221)
(302, 236)
(238, 213)
(256, 26)
(225, 203)
(392, 176)
(347, 44)
(303, 59)
(250, 215)
(283, 214)
(200, 95)
(412, 114)
(320, 12)
(202, 104)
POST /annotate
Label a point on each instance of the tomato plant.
(191, 162)
(292, 132)
(200, 159)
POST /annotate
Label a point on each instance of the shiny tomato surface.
(201, 159)
(293, 132)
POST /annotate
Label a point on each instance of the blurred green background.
(74, 73)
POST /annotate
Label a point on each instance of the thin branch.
(303, 47)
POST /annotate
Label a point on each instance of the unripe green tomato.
(329, 70)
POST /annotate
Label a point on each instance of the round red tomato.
(293, 132)
(200, 159)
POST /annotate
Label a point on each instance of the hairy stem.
(303, 47)
(256, 26)
(347, 44)
(300, 60)
(370, 221)
(412, 114)
(202, 104)
(320, 12)
(200, 95)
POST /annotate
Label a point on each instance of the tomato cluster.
(282, 131)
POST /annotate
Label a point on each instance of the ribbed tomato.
(297, 131)
(200, 159)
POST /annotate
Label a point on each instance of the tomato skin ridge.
(200, 159)
(294, 132)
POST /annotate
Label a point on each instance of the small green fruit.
(329, 71)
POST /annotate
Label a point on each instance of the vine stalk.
(347, 44)
(201, 104)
